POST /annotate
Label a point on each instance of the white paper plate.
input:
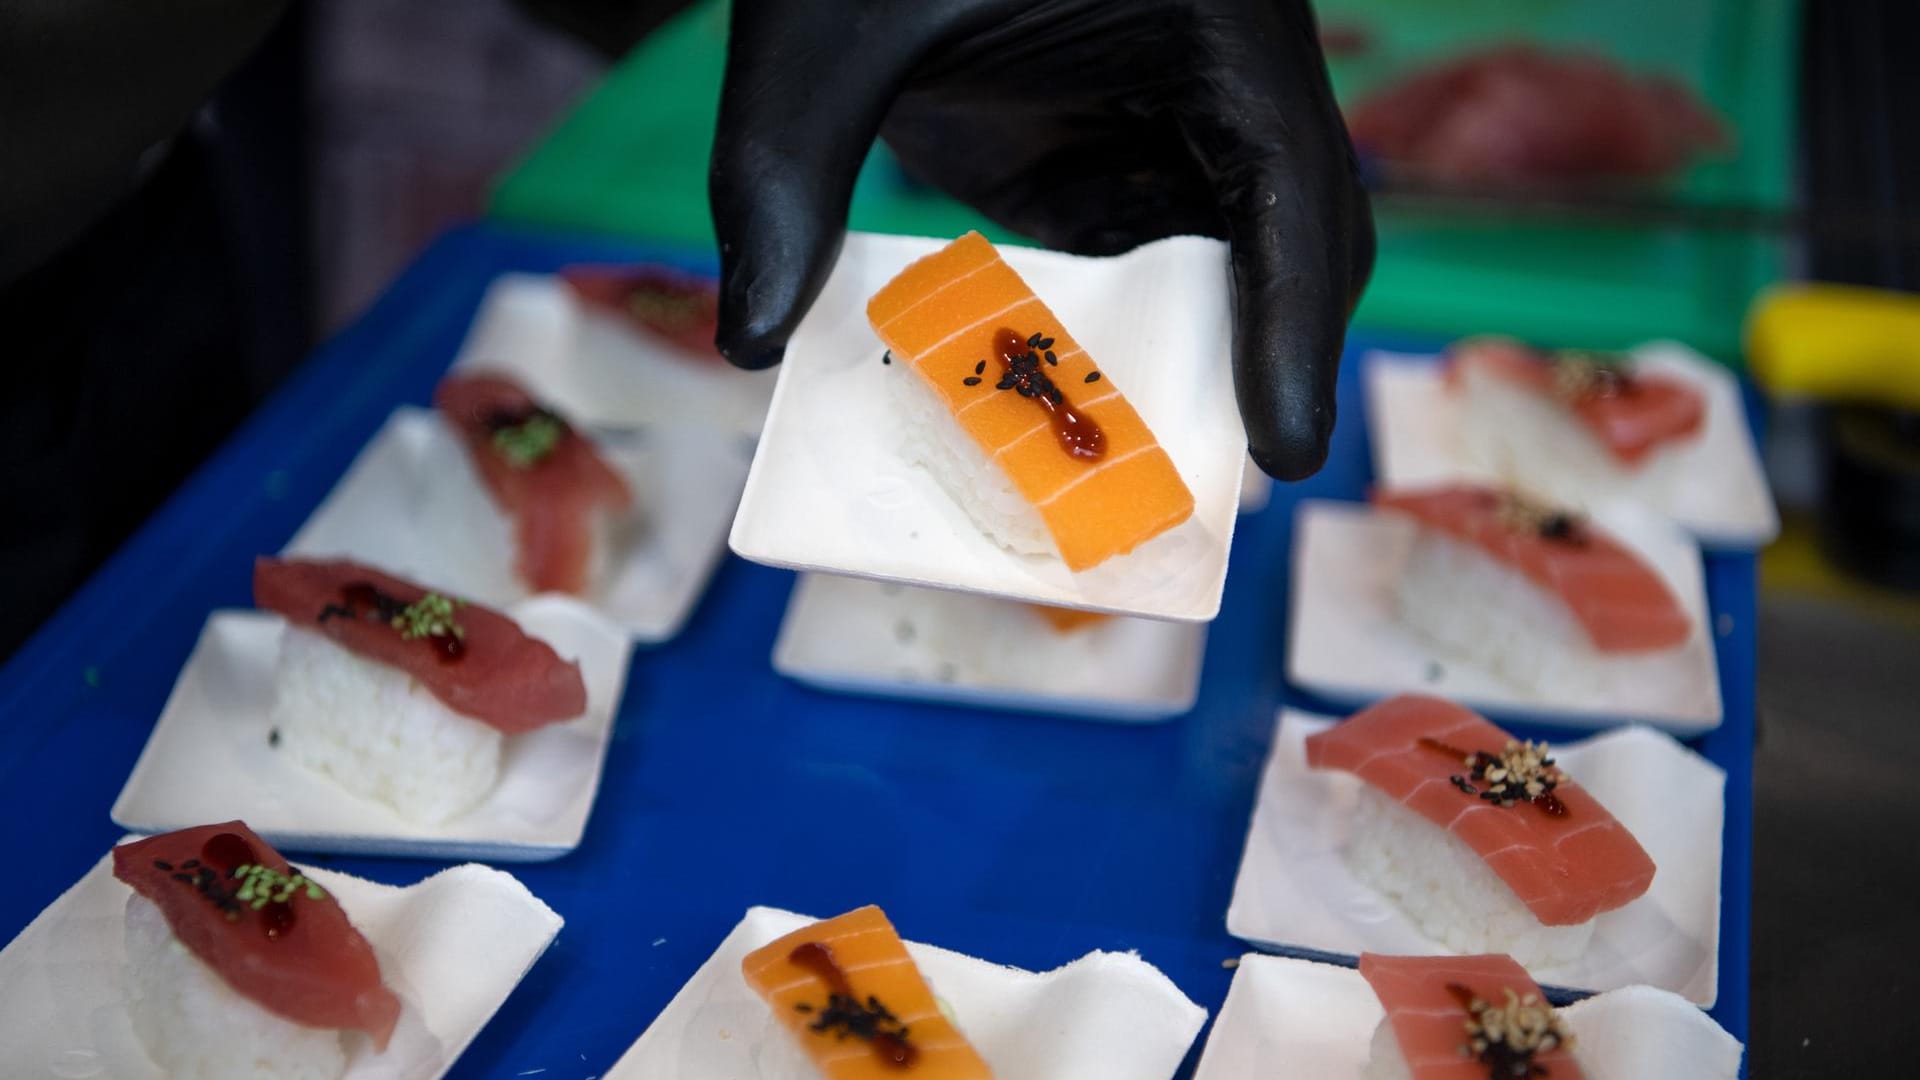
(208, 758)
(599, 371)
(831, 491)
(1723, 499)
(1106, 1016)
(413, 504)
(1287, 1018)
(867, 637)
(1345, 642)
(452, 947)
(1294, 890)
(1256, 488)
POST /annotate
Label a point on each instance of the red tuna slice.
(1622, 603)
(555, 499)
(300, 958)
(495, 673)
(1567, 867)
(1422, 996)
(659, 300)
(1516, 115)
(1631, 414)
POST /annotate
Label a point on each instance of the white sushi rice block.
(1535, 444)
(1447, 889)
(1384, 1059)
(1479, 610)
(378, 733)
(196, 1027)
(932, 439)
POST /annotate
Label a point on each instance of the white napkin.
(869, 637)
(452, 947)
(1106, 1016)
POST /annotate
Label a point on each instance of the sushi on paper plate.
(1540, 596)
(1013, 417)
(239, 966)
(1484, 842)
(1573, 423)
(847, 992)
(567, 505)
(787, 997)
(1484, 1018)
(659, 301)
(1451, 1018)
(402, 695)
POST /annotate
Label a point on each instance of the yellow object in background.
(1840, 343)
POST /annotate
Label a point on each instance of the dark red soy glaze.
(1079, 435)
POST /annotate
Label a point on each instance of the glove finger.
(1295, 223)
(799, 109)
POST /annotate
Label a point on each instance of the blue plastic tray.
(1023, 839)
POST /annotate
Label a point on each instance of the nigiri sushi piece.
(848, 993)
(1538, 596)
(399, 694)
(1579, 426)
(1483, 841)
(565, 500)
(1013, 417)
(1464, 1018)
(238, 966)
(679, 308)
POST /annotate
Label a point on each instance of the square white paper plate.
(599, 371)
(413, 504)
(1722, 498)
(209, 758)
(831, 490)
(1106, 1016)
(1346, 643)
(452, 947)
(1288, 1018)
(1294, 890)
(889, 640)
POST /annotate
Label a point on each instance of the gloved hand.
(1091, 126)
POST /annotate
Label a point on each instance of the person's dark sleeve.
(86, 88)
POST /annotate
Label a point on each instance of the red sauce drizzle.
(817, 957)
(1079, 435)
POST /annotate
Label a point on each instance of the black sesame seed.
(190, 864)
(971, 380)
(1034, 341)
(1005, 383)
(887, 357)
(163, 865)
(980, 367)
(803, 1007)
(1093, 376)
(1052, 359)
(1045, 343)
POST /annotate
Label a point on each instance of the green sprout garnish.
(527, 443)
(263, 885)
(429, 616)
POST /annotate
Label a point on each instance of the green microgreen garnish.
(429, 616)
(528, 442)
(263, 885)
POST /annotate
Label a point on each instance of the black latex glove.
(1090, 125)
